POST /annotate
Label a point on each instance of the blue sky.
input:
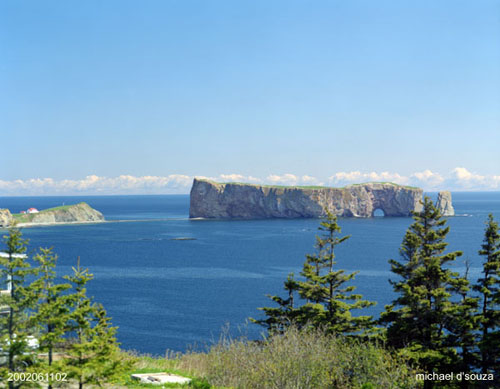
(97, 96)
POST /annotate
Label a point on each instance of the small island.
(65, 214)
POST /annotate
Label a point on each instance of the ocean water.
(172, 294)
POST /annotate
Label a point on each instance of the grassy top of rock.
(79, 212)
(309, 186)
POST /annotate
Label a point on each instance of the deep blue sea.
(170, 294)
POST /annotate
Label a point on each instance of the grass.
(387, 183)
(293, 360)
(136, 364)
(149, 364)
(311, 186)
(22, 217)
(28, 217)
(276, 186)
(297, 359)
(300, 359)
(61, 207)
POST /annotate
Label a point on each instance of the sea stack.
(444, 203)
(246, 201)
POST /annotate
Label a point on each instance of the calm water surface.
(169, 294)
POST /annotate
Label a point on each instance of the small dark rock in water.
(183, 238)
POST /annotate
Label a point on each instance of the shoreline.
(56, 223)
(28, 225)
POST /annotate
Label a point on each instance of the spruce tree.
(52, 313)
(420, 318)
(94, 354)
(106, 363)
(488, 287)
(328, 301)
(281, 317)
(463, 326)
(15, 328)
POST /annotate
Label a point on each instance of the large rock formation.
(444, 203)
(5, 218)
(77, 213)
(233, 200)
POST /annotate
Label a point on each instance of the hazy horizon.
(459, 180)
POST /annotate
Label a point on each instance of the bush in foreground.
(300, 359)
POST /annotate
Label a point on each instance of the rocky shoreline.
(56, 223)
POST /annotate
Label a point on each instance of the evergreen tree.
(94, 354)
(52, 313)
(106, 364)
(328, 301)
(420, 318)
(489, 288)
(15, 329)
(281, 317)
(463, 326)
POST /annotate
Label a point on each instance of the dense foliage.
(301, 358)
(422, 317)
(15, 324)
(488, 286)
(42, 317)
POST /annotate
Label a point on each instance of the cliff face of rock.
(233, 200)
(77, 213)
(444, 203)
(5, 218)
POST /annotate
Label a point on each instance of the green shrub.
(300, 359)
